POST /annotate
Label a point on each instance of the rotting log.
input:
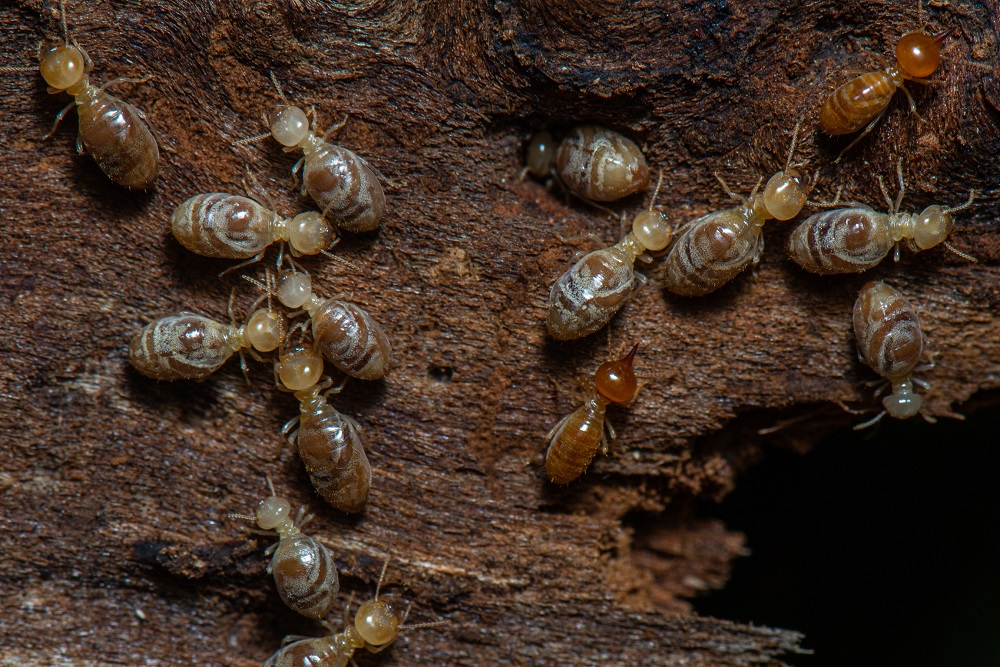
(114, 489)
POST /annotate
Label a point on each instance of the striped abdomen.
(344, 188)
(601, 164)
(844, 240)
(857, 102)
(223, 225)
(711, 252)
(351, 340)
(305, 575)
(887, 331)
(331, 449)
(316, 652)
(181, 347)
(123, 147)
(575, 442)
(587, 296)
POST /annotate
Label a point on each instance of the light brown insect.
(377, 624)
(187, 346)
(112, 131)
(599, 164)
(855, 239)
(342, 184)
(574, 441)
(539, 155)
(304, 570)
(891, 342)
(716, 247)
(588, 295)
(234, 227)
(343, 332)
(860, 102)
(329, 443)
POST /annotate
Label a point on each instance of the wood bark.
(114, 489)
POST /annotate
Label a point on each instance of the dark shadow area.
(883, 550)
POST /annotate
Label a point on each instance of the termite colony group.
(296, 331)
(598, 165)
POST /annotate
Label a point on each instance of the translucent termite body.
(329, 443)
(377, 624)
(588, 295)
(599, 164)
(574, 441)
(862, 100)
(304, 570)
(891, 342)
(111, 130)
(855, 239)
(343, 332)
(235, 227)
(187, 346)
(716, 247)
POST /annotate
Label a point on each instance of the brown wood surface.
(114, 547)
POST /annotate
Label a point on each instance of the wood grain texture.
(113, 489)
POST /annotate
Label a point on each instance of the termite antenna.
(656, 192)
(277, 87)
(381, 577)
(871, 422)
(958, 252)
(795, 140)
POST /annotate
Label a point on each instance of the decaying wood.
(114, 489)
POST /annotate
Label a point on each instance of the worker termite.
(588, 295)
(890, 341)
(540, 155)
(377, 624)
(113, 131)
(599, 164)
(341, 183)
(714, 248)
(860, 102)
(187, 346)
(329, 443)
(855, 239)
(574, 441)
(304, 570)
(234, 227)
(343, 332)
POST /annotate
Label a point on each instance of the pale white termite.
(588, 295)
(304, 570)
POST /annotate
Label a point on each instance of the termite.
(891, 342)
(113, 131)
(588, 295)
(329, 443)
(860, 102)
(574, 441)
(540, 155)
(377, 624)
(304, 570)
(341, 183)
(187, 346)
(716, 247)
(855, 239)
(343, 332)
(599, 164)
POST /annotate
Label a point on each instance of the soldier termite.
(112, 131)
(588, 295)
(304, 570)
(860, 102)
(329, 443)
(341, 183)
(343, 332)
(377, 624)
(574, 441)
(714, 248)
(187, 346)
(855, 239)
(599, 164)
(891, 342)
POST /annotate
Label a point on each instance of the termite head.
(265, 330)
(615, 380)
(378, 621)
(299, 368)
(295, 289)
(785, 194)
(290, 125)
(932, 226)
(902, 403)
(540, 156)
(62, 67)
(272, 512)
(308, 233)
(919, 54)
